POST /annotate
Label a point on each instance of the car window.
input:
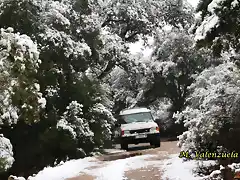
(138, 117)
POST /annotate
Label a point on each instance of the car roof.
(134, 111)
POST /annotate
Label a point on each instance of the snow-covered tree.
(163, 80)
(217, 25)
(127, 85)
(20, 92)
(211, 116)
(131, 18)
(79, 44)
(21, 100)
(173, 67)
(141, 20)
(171, 70)
(73, 122)
(130, 21)
(68, 38)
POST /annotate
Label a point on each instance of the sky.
(193, 2)
(147, 51)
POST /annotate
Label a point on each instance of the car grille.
(139, 131)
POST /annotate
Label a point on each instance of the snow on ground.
(118, 168)
(105, 171)
(173, 168)
(176, 168)
(67, 170)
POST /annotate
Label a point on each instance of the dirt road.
(147, 169)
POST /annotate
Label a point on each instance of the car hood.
(138, 125)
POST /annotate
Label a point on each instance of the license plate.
(141, 136)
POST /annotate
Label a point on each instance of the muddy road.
(151, 170)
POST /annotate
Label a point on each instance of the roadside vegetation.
(66, 71)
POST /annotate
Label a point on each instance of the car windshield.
(138, 117)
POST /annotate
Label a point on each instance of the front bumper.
(133, 140)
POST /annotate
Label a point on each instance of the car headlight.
(154, 129)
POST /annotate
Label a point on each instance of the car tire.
(124, 146)
(157, 143)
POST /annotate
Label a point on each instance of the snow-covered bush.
(95, 131)
(20, 92)
(218, 172)
(6, 153)
(73, 122)
(211, 104)
(102, 122)
(212, 117)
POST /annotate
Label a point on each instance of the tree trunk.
(226, 172)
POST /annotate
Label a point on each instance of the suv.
(137, 126)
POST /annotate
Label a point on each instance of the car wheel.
(124, 146)
(157, 144)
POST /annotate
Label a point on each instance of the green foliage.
(22, 15)
(3, 163)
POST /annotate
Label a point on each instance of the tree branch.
(110, 66)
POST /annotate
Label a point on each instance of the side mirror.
(156, 120)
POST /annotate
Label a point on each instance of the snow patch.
(207, 25)
(42, 102)
(234, 3)
(73, 122)
(118, 168)
(113, 151)
(16, 178)
(214, 5)
(66, 170)
(176, 168)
